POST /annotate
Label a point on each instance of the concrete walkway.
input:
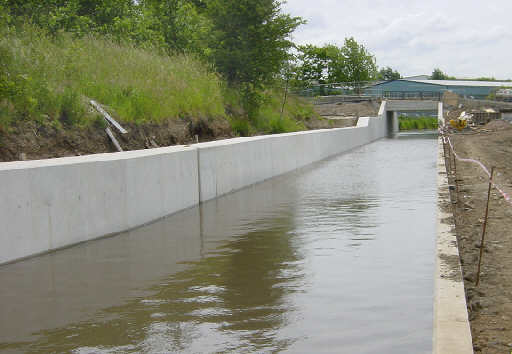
(452, 334)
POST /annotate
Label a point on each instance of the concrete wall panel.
(45, 205)
(54, 203)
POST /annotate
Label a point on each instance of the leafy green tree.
(312, 67)
(250, 43)
(182, 23)
(358, 64)
(437, 74)
(388, 74)
(330, 64)
(79, 16)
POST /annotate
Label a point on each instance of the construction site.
(482, 213)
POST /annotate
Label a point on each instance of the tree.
(312, 67)
(330, 64)
(250, 43)
(437, 74)
(358, 64)
(388, 74)
(182, 23)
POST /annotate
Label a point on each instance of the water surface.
(336, 257)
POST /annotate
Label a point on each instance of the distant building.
(434, 89)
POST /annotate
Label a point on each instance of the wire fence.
(447, 140)
(449, 152)
(364, 89)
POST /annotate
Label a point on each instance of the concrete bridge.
(395, 107)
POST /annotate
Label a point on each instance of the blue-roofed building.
(411, 88)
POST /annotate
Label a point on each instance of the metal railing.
(365, 89)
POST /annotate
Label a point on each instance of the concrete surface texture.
(440, 114)
(411, 105)
(50, 204)
(452, 333)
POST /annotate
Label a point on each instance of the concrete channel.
(49, 205)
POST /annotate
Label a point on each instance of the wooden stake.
(455, 173)
(108, 117)
(449, 160)
(484, 227)
(113, 139)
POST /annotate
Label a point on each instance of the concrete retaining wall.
(50, 204)
(228, 165)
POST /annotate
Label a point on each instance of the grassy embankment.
(419, 123)
(50, 81)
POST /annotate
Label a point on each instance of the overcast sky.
(468, 38)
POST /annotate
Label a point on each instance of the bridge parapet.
(411, 105)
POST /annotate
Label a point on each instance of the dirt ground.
(489, 304)
(32, 140)
(348, 109)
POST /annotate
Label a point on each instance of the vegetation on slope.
(50, 80)
(47, 78)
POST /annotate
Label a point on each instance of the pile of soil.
(496, 125)
(489, 304)
(349, 109)
(327, 122)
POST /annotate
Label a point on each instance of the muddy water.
(336, 257)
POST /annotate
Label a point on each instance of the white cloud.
(464, 38)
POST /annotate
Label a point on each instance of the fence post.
(484, 227)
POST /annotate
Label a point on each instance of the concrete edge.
(382, 109)
(452, 334)
(100, 157)
(440, 114)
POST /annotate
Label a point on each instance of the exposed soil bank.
(489, 304)
(349, 109)
(32, 140)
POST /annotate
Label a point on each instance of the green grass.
(420, 123)
(47, 78)
(269, 119)
(51, 80)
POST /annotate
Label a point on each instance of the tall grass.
(420, 123)
(42, 78)
(272, 117)
(51, 79)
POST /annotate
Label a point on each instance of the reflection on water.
(336, 257)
